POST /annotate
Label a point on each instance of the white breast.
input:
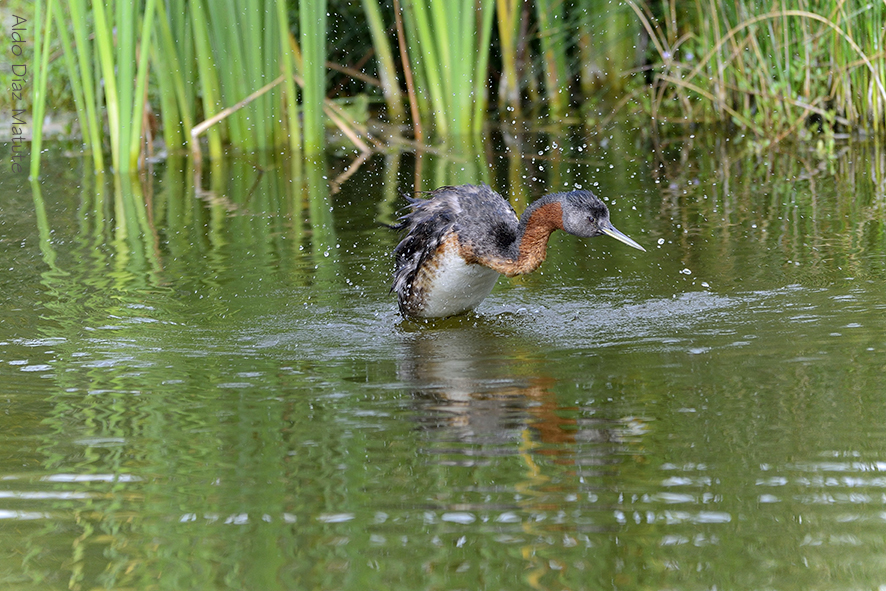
(456, 286)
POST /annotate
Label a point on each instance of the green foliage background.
(765, 68)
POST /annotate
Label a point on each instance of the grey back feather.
(479, 216)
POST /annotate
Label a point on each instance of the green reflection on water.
(207, 384)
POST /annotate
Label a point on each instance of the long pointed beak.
(608, 229)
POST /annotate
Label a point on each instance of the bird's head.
(585, 215)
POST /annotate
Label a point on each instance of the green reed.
(508, 20)
(193, 60)
(607, 35)
(312, 30)
(43, 29)
(449, 47)
(554, 47)
(81, 75)
(287, 66)
(387, 68)
(233, 72)
(123, 75)
(207, 73)
(175, 103)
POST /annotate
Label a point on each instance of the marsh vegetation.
(377, 75)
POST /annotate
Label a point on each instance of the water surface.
(206, 384)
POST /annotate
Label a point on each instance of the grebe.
(462, 238)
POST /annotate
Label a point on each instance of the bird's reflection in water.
(537, 473)
(475, 384)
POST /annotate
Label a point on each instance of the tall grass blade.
(179, 17)
(227, 50)
(387, 70)
(451, 48)
(261, 135)
(417, 127)
(80, 75)
(173, 137)
(125, 15)
(312, 29)
(287, 65)
(423, 52)
(85, 59)
(620, 42)
(481, 69)
(104, 45)
(271, 62)
(208, 78)
(42, 27)
(141, 77)
(553, 54)
(508, 20)
(173, 79)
